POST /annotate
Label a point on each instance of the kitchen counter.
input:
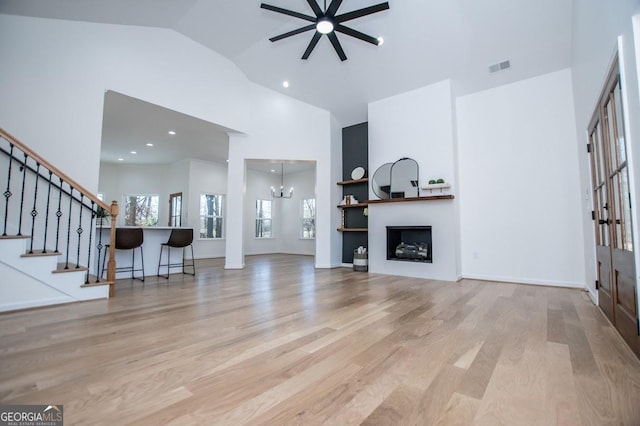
(154, 236)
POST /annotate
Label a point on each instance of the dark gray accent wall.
(355, 148)
(355, 153)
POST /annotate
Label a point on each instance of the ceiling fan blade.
(333, 8)
(312, 45)
(357, 34)
(294, 32)
(316, 9)
(288, 12)
(336, 45)
(362, 12)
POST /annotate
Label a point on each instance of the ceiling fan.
(327, 22)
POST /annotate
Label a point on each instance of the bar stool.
(128, 239)
(179, 238)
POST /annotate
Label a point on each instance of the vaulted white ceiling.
(425, 41)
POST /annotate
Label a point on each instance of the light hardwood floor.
(281, 343)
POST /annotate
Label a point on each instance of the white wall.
(55, 74)
(284, 129)
(191, 177)
(519, 183)
(286, 213)
(416, 124)
(335, 238)
(118, 180)
(205, 177)
(419, 125)
(599, 29)
(291, 211)
(259, 188)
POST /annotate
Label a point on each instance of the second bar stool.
(179, 238)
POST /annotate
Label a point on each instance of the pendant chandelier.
(280, 193)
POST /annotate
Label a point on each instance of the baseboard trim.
(327, 266)
(547, 283)
(36, 303)
(232, 266)
(593, 295)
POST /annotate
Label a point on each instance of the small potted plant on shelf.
(102, 217)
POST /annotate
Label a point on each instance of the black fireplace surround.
(409, 243)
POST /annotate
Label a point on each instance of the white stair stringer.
(27, 282)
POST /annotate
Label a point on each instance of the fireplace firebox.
(409, 243)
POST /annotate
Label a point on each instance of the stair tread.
(14, 237)
(72, 268)
(38, 253)
(92, 283)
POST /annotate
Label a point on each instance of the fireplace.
(409, 243)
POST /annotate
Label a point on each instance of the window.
(309, 218)
(141, 210)
(100, 196)
(263, 219)
(210, 216)
(175, 209)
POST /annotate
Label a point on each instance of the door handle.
(603, 221)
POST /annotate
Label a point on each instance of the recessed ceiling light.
(120, 159)
(273, 171)
(380, 41)
(149, 144)
(133, 152)
(172, 132)
(285, 84)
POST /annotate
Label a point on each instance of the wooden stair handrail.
(54, 169)
(113, 209)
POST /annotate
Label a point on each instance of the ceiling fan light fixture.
(324, 25)
(328, 22)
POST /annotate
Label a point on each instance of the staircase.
(51, 235)
(31, 280)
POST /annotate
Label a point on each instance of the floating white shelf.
(437, 186)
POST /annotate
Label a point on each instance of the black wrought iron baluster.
(7, 193)
(34, 211)
(66, 262)
(100, 247)
(58, 215)
(79, 230)
(46, 217)
(23, 168)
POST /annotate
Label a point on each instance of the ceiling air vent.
(499, 66)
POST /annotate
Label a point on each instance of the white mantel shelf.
(410, 199)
